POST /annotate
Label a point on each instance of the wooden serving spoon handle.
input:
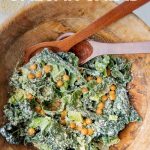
(83, 48)
(66, 44)
(118, 48)
(115, 14)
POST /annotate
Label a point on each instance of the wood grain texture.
(47, 20)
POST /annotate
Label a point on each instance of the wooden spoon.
(83, 49)
(66, 44)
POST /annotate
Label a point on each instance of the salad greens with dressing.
(58, 105)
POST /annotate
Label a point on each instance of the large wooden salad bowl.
(45, 21)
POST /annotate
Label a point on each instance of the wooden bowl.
(45, 21)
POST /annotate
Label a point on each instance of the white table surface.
(10, 7)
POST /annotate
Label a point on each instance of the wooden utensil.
(112, 16)
(83, 48)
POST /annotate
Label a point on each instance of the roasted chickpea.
(111, 92)
(48, 68)
(72, 125)
(59, 83)
(84, 123)
(42, 112)
(88, 121)
(33, 67)
(112, 96)
(31, 76)
(63, 122)
(63, 114)
(38, 74)
(101, 105)
(90, 131)
(57, 103)
(104, 98)
(84, 90)
(66, 78)
(99, 111)
(38, 101)
(38, 109)
(113, 87)
(29, 96)
(79, 128)
(99, 80)
(84, 131)
(89, 78)
(53, 108)
(31, 131)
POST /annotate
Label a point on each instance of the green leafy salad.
(55, 104)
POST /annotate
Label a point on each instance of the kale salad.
(57, 104)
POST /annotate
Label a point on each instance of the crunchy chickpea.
(53, 108)
(112, 96)
(48, 68)
(104, 98)
(31, 76)
(59, 83)
(57, 103)
(84, 131)
(113, 87)
(33, 67)
(99, 111)
(111, 92)
(79, 128)
(42, 112)
(89, 78)
(101, 105)
(38, 109)
(63, 122)
(31, 131)
(29, 96)
(72, 125)
(38, 101)
(63, 114)
(90, 131)
(99, 80)
(84, 123)
(88, 121)
(38, 74)
(84, 90)
(66, 77)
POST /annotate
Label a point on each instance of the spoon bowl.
(83, 49)
(31, 51)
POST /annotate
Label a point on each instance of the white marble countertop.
(10, 7)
